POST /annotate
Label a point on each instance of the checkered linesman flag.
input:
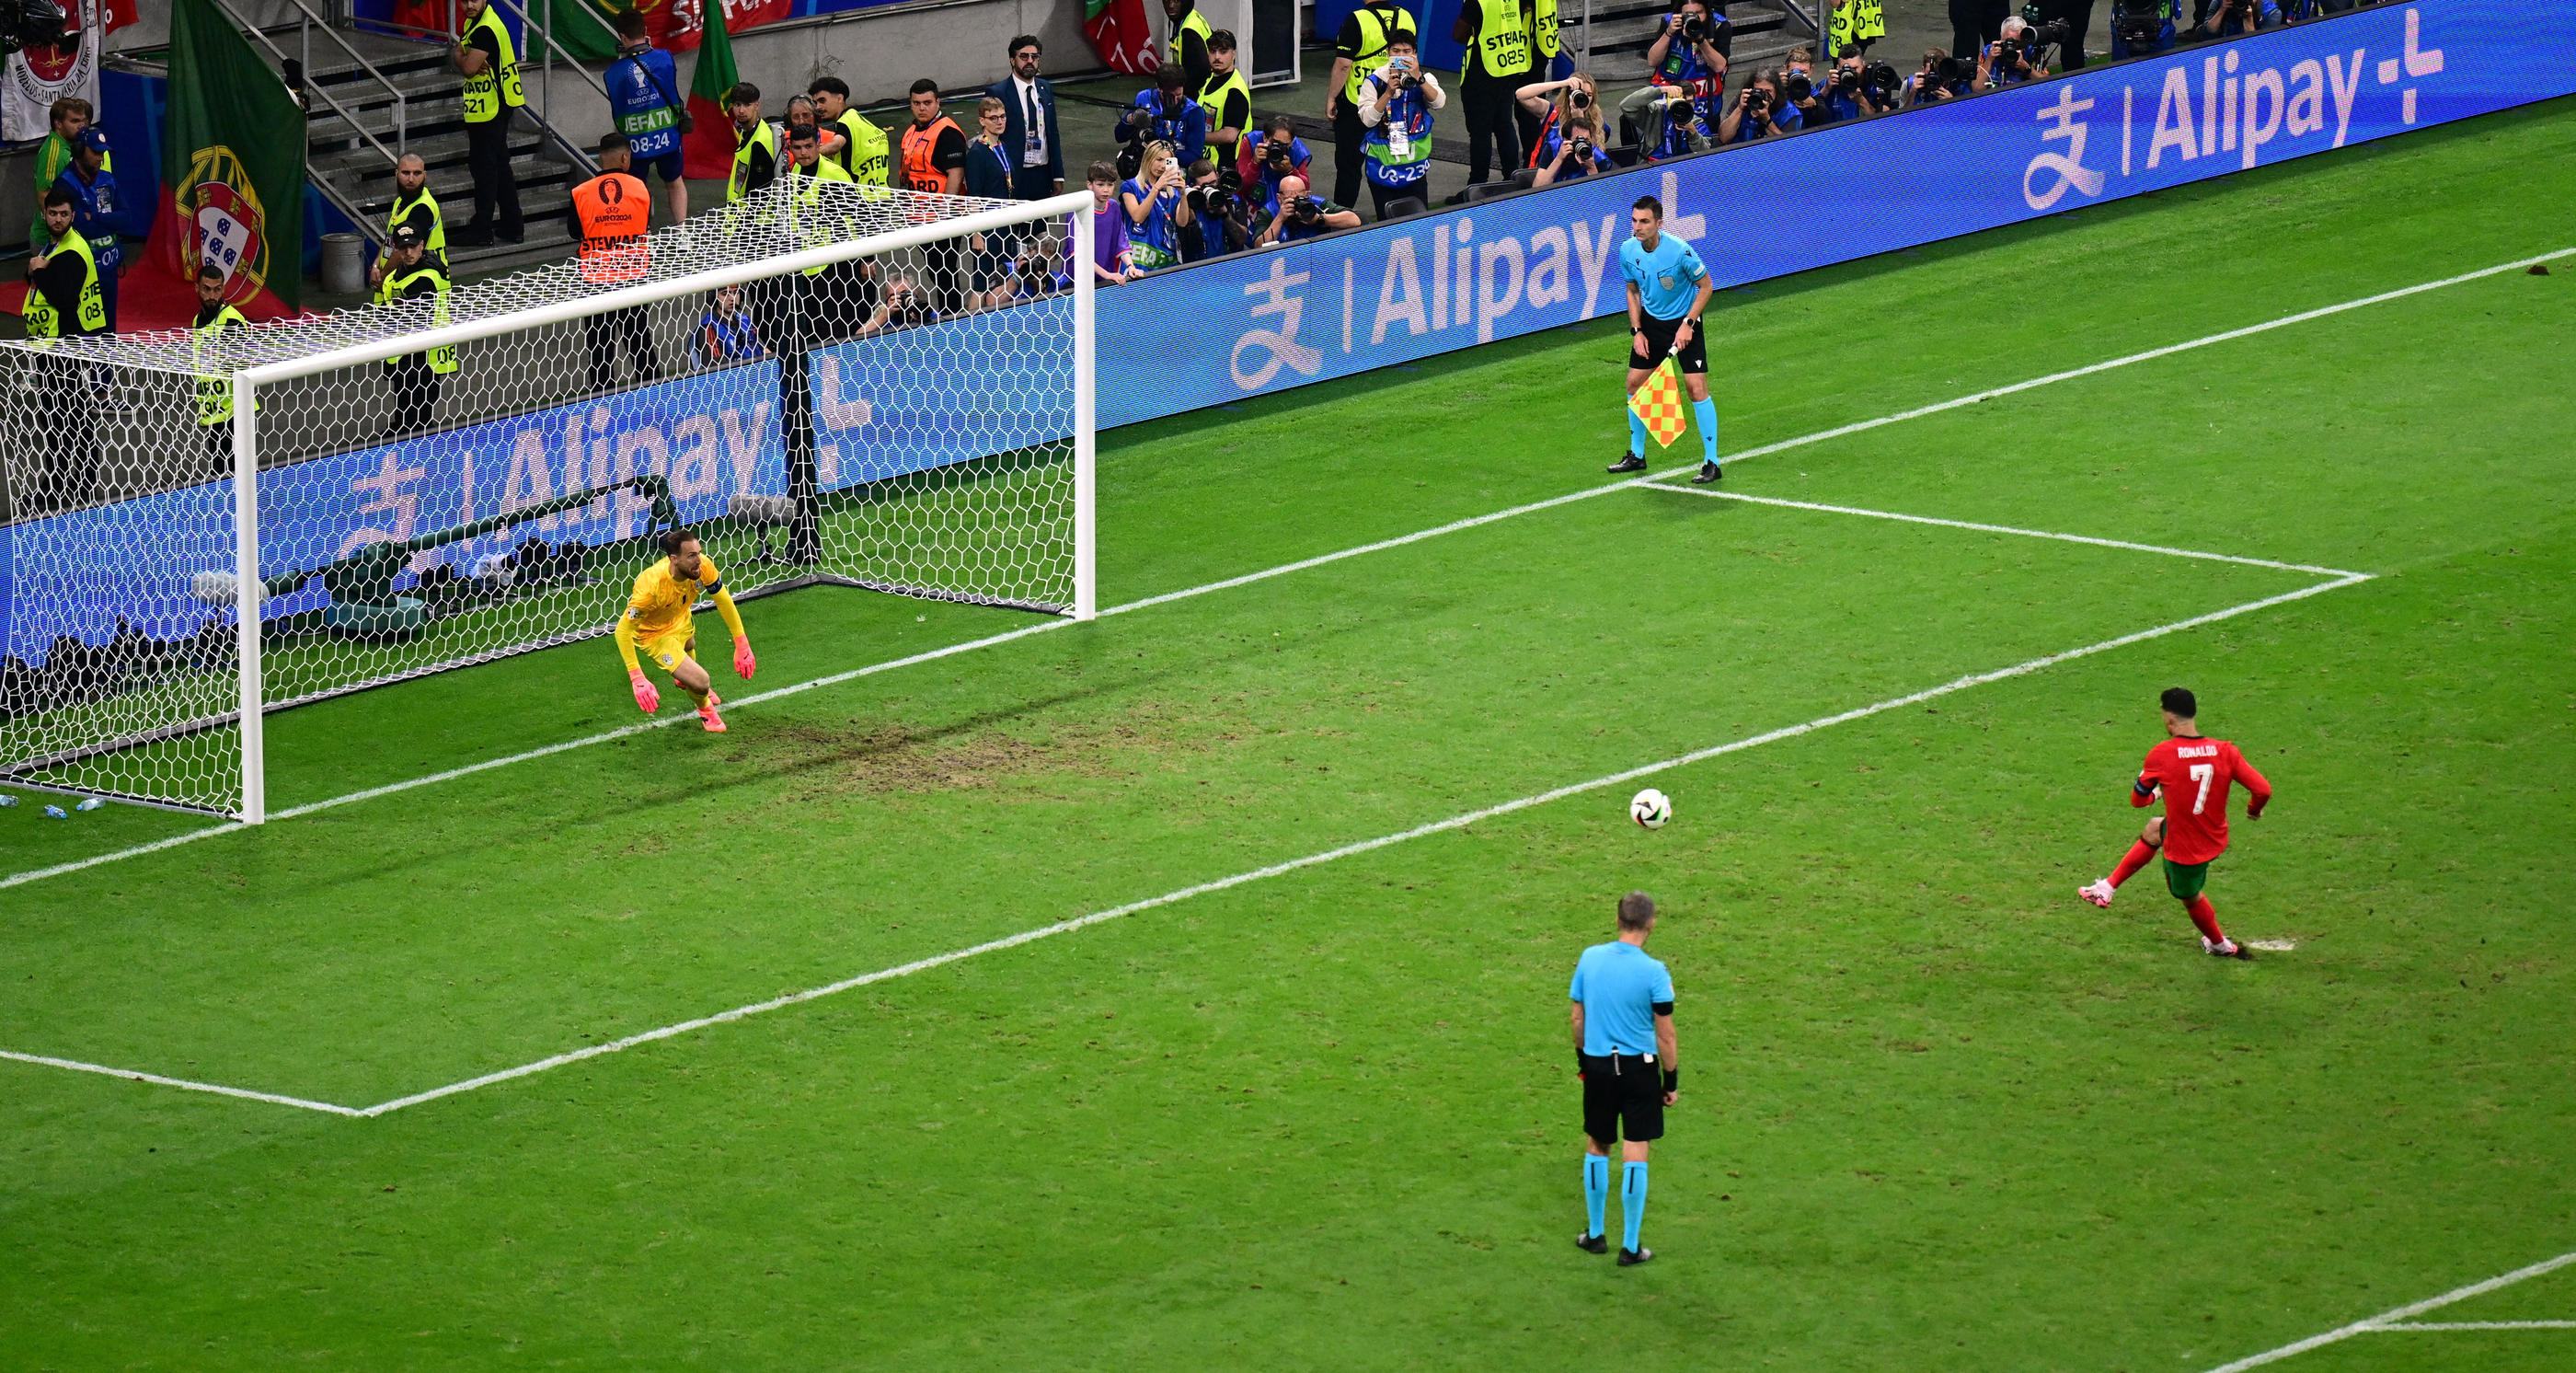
(1659, 403)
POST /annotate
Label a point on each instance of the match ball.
(1650, 808)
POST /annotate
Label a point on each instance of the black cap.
(406, 237)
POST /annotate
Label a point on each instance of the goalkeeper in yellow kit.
(657, 620)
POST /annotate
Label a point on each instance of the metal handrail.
(402, 114)
(310, 90)
(545, 81)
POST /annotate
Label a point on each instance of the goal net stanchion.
(829, 383)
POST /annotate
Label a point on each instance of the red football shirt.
(2195, 774)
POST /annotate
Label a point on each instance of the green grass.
(1937, 1113)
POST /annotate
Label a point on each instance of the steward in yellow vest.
(1227, 98)
(490, 63)
(755, 148)
(214, 389)
(417, 377)
(1188, 48)
(62, 282)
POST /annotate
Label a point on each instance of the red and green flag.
(708, 149)
(232, 181)
(1119, 33)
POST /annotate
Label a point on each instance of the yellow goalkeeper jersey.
(661, 601)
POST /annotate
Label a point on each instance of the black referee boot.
(1592, 1244)
(1628, 463)
(1630, 1258)
(1708, 472)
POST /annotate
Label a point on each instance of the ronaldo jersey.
(2195, 774)
(662, 601)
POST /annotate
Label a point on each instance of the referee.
(1668, 291)
(1623, 1044)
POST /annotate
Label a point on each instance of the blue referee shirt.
(1667, 279)
(1620, 987)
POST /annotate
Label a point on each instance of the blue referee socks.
(1706, 412)
(1632, 1202)
(1637, 434)
(1596, 1190)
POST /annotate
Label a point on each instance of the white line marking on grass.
(1820, 436)
(180, 1082)
(1998, 529)
(2477, 1325)
(2271, 945)
(2387, 1320)
(1455, 822)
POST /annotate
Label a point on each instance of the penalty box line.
(1082, 922)
(1455, 526)
(2391, 1321)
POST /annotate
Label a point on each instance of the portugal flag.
(708, 150)
(232, 181)
(1119, 33)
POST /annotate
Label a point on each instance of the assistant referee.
(1623, 1042)
(1668, 294)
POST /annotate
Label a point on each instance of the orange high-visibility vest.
(613, 211)
(918, 144)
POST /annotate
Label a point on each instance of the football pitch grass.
(1936, 1113)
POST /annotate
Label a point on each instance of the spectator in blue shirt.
(1164, 114)
(644, 91)
(1156, 210)
(725, 333)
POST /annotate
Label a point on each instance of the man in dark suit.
(1035, 145)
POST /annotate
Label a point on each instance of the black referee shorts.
(1623, 1098)
(1659, 338)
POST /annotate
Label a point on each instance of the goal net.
(827, 383)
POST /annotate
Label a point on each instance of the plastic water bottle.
(7, 801)
(57, 813)
(91, 803)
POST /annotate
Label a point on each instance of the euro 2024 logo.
(226, 224)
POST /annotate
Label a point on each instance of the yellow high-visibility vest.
(495, 88)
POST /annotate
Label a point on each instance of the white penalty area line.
(2392, 1320)
(1455, 526)
(1455, 822)
(1660, 484)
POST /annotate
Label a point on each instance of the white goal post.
(828, 383)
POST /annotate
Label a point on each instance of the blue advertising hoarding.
(1396, 292)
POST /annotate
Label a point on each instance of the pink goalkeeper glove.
(743, 662)
(645, 696)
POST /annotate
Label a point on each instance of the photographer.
(1302, 216)
(1156, 210)
(1396, 102)
(2007, 60)
(1861, 88)
(2143, 26)
(1686, 58)
(1668, 122)
(2232, 17)
(1272, 158)
(1943, 77)
(1217, 216)
(1164, 114)
(1573, 140)
(1758, 112)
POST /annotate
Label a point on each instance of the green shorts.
(2185, 880)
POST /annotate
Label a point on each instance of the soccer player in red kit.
(2194, 774)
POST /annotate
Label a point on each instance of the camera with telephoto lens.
(2042, 33)
(1880, 83)
(31, 24)
(1757, 102)
(1305, 209)
(1581, 100)
(1949, 72)
(1278, 155)
(1216, 202)
(1695, 28)
(1797, 90)
(2139, 25)
(1580, 149)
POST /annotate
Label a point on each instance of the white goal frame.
(944, 218)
